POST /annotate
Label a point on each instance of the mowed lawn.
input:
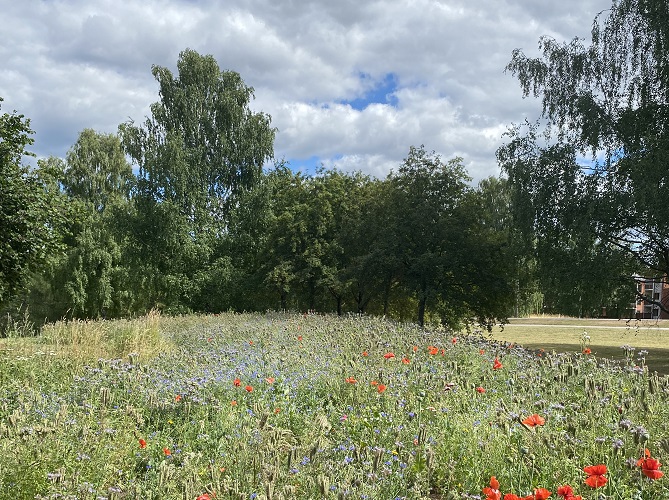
(606, 338)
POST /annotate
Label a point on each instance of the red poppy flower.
(432, 350)
(496, 364)
(587, 350)
(299, 337)
(596, 476)
(236, 382)
(248, 388)
(481, 352)
(167, 452)
(388, 355)
(142, 443)
(565, 491)
(177, 398)
(492, 492)
(650, 467)
(233, 403)
(365, 353)
(277, 411)
(406, 360)
(415, 348)
(534, 420)
(203, 497)
(454, 340)
(381, 388)
(511, 496)
(541, 494)
(270, 380)
(351, 380)
(480, 390)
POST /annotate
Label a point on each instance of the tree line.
(181, 212)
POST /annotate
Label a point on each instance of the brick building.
(656, 290)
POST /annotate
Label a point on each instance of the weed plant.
(302, 406)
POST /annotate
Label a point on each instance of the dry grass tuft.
(86, 341)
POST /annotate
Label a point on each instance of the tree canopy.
(30, 219)
(183, 213)
(594, 186)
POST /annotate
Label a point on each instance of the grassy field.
(279, 407)
(607, 338)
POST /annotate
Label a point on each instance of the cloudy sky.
(348, 83)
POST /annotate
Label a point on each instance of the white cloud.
(76, 64)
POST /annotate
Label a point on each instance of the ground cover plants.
(281, 406)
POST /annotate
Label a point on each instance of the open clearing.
(606, 337)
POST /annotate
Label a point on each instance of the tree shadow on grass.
(657, 359)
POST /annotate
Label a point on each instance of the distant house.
(650, 293)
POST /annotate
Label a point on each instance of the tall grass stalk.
(85, 340)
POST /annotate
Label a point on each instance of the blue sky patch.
(307, 166)
(380, 91)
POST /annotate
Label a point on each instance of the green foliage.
(32, 216)
(200, 149)
(97, 171)
(447, 254)
(610, 100)
(202, 144)
(89, 279)
(555, 211)
(201, 227)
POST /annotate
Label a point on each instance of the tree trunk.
(421, 310)
(386, 297)
(422, 300)
(312, 296)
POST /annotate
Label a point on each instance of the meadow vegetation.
(280, 406)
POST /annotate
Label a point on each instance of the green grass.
(606, 338)
(308, 418)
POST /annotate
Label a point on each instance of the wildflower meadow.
(282, 406)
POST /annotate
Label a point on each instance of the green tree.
(203, 143)
(198, 151)
(609, 100)
(97, 172)
(361, 227)
(338, 198)
(379, 268)
(31, 216)
(493, 203)
(238, 276)
(426, 193)
(92, 276)
(286, 235)
(308, 232)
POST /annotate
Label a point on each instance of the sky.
(351, 84)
